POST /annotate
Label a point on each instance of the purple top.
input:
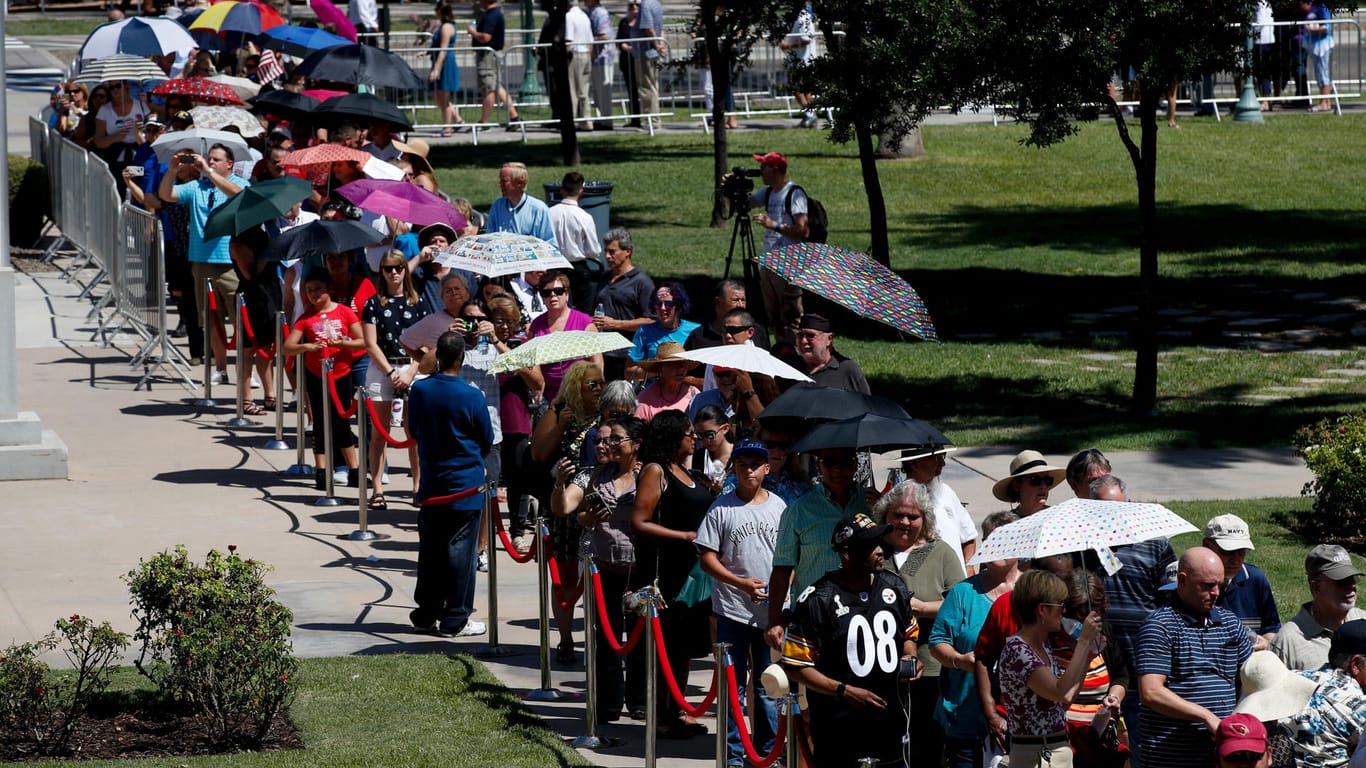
(554, 372)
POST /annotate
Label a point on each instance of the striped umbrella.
(152, 36)
(199, 90)
(120, 66)
(238, 16)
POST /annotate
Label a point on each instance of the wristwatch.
(747, 394)
(839, 690)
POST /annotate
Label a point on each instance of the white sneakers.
(471, 629)
(219, 377)
(483, 563)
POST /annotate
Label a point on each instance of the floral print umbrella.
(854, 281)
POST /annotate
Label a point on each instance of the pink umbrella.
(328, 13)
(403, 201)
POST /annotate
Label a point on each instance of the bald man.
(1189, 654)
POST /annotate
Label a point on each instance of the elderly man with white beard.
(952, 524)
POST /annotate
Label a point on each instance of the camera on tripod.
(738, 185)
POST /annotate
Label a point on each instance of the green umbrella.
(255, 205)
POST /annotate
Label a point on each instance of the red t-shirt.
(332, 325)
(999, 625)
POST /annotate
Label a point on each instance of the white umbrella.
(217, 118)
(376, 168)
(197, 140)
(244, 88)
(150, 36)
(1077, 525)
(122, 66)
(745, 357)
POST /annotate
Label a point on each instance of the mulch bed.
(145, 730)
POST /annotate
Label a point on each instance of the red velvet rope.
(737, 711)
(516, 556)
(556, 586)
(450, 497)
(266, 353)
(382, 429)
(689, 710)
(345, 413)
(637, 631)
(218, 327)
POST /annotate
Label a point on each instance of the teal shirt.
(804, 536)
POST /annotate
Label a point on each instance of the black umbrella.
(870, 432)
(360, 64)
(817, 403)
(319, 238)
(284, 103)
(367, 107)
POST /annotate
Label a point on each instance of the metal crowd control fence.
(139, 299)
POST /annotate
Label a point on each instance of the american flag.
(270, 67)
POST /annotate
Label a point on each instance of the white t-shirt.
(114, 125)
(743, 536)
(575, 232)
(952, 523)
(775, 204)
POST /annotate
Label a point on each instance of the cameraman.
(785, 224)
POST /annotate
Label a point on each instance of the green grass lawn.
(1027, 260)
(396, 710)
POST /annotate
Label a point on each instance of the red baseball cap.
(1240, 733)
(773, 159)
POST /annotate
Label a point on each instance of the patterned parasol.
(120, 66)
(1077, 525)
(502, 253)
(558, 347)
(219, 118)
(200, 90)
(854, 281)
(317, 162)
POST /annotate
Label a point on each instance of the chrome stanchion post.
(651, 681)
(491, 513)
(329, 498)
(239, 346)
(206, 317)
(789, 706)
(301, 468)
(545, 692)
(362, 533)
(722, 652)
(590, 739)
(278, 442)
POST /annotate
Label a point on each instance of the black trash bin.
(596, 200)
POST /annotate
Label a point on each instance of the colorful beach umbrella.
(238, 16)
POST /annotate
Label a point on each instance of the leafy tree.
(1050, 63)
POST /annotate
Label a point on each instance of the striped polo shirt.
(1200, 656)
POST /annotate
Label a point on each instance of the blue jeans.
(747, 651)
(962, 753)
(1129, 710)
(446, 542)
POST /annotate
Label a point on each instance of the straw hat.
(1270, 690)
(416, 151)
(1024, 464)
(669, 350)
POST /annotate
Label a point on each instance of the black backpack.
(817, 223)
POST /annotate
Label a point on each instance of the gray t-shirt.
(743, 536)
(775, 204)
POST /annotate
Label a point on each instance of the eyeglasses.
(595, 384)
(663, 304)
(736, 330)
(506, 322)
(394, 268)
(615, 440)
(1044, 480)
(558, 290)
(709, 434)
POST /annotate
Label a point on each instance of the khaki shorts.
(224, 286)
(486, 65)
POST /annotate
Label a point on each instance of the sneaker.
(483, 562)
(471, 629)
(341, 475)
(522, 544)
(219, 377)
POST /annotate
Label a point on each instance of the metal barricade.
(40, 142)
(140, 296)
(102, 235)
(420, 104)
(70, 180)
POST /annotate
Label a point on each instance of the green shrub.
(1335, 450)
(214, 636)
(46, 709)
(29, 204)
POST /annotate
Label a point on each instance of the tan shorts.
(224, 286)
(486, 66)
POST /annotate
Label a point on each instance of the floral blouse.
(1028, 713)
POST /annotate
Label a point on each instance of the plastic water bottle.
(483, 346)
(601, 311)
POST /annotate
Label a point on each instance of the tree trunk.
(877, 206)
(558, 59)
(1145, 334)
(720, 84)
(912, 147)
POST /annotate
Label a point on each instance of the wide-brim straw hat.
(416, 151)
(669, 350)
(1024, 464)
(1270, 690)
(920, 451)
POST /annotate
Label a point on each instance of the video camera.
(738, 185)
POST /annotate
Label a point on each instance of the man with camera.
(209, 258)
(852, 642)
(783, 217)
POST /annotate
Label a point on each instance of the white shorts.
(378, 384)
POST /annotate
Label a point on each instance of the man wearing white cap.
(1246, 591)
(1304, 640)
(952, 524)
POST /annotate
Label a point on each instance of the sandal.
(270, 403)
(378, 502)
(252, 408)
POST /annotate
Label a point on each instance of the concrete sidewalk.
(148, 471)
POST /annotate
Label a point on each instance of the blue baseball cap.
(749, 446)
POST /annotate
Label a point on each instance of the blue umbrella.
(299, 41)
(141, 37)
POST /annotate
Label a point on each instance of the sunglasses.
(736, 330)
(663, 304)
(618, 414)
(595, 384)
(709, 434)
(476, 318)
(1044, 480)
(615, 440)
(558, 290)
(394, 268)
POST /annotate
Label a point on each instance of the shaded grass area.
(391, 710)
(1280, 553)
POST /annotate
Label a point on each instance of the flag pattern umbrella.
(356, 63)
(745, 357)
(558, 347)
(199, 90)
(238, 16)
(244, 88)
(151, 36)
(316, 239)
(365, 106)
(870, 432)
(197, 140)
(299, 41)
(1077, 525)
(495, 254)
(121, 66)
(220, 118)
(403, 201)
(854, 281)
(256, 205)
